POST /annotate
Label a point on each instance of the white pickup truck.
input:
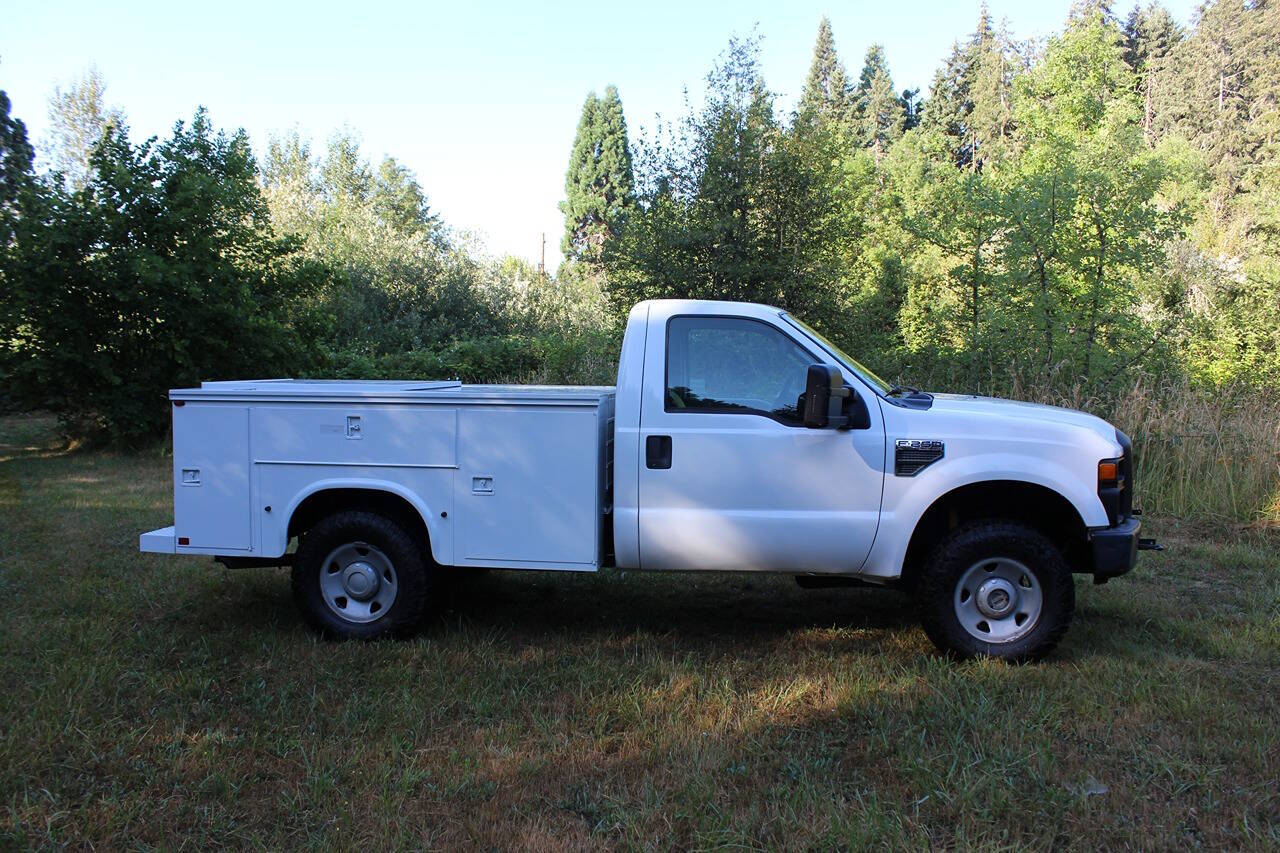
(737, 439)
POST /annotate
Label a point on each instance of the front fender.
(908, 498)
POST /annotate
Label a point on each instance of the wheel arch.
(328, 497)
(1038, 506)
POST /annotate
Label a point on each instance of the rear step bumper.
(161, 541)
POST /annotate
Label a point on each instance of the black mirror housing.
(828, 404)
(824, 395)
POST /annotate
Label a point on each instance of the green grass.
(152, 701)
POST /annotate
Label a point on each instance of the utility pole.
(542, 264)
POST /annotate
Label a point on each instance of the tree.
(825, 96)
(78, 118)
(883, 115)
(599, 184)
(732, 206)
(1219, 88)
(1150, 34)
(958, 213)
(947, 109)
(881, 112)
(16, 156)
(161, 272)
(994, 70)
(970, 101)
(399, 281)
(400, 201)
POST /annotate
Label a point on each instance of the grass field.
(153, 701)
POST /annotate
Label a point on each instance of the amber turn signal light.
(1108, 472)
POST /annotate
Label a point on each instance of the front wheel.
(360, 575)
(996, 589)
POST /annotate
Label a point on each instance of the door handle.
(657, 451)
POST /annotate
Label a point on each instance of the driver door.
(730, 479)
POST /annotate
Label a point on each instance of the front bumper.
(1114, 549)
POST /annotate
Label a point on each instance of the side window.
(734, 365)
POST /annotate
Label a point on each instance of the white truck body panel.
(504, 476)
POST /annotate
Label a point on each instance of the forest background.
(1091, 220)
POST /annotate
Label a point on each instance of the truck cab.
(737, 438)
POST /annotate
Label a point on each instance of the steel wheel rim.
(358, 582)
(998, 600)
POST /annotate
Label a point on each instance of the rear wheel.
(361, 575)
(996, 589)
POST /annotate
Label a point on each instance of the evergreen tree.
(991, 91)
(947, 109)
(16, 155)
(911, 108)
(881, 111)
(599, 184)
(734, 207)
(883, 116)
(78, 118)
(1220, 88)
(977, 77)
(873, 65)
(825, 94)
(1150, 34)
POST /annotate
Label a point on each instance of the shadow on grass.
(528, 605)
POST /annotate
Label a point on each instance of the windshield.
(839, 354)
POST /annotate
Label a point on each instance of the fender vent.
(913, 455)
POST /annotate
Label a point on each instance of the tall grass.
(1211, 454)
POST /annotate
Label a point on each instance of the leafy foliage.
(1066, 214)
(161, 271)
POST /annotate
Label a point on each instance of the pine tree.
(825, 94)
(947, 109)
(874, 64)
(979, 70)
(882, 114)
(1220, 89)
(991, 91)
(1150, 34)
(880, 110)
(599, 184)
(16, 155)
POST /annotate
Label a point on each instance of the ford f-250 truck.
(737, 439)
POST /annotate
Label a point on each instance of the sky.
(480, 100)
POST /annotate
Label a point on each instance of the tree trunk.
(1097, 293)
(1146, 118)
(973, 340)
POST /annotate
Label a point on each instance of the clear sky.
(481, 100)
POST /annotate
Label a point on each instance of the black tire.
(966, 554)
(407, 567)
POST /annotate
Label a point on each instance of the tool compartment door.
(211, 477)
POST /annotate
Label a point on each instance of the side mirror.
(828, 404)
(824, 395)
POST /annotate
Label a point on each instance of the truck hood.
(998, 410)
